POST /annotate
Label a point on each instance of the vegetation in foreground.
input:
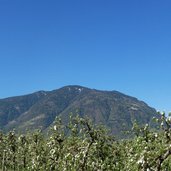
(80, 146)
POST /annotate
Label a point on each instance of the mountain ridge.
(39, 109)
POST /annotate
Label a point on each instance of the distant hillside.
(115, 110)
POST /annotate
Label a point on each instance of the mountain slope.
(12, 108)
(38, 110)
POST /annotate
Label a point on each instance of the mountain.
(38, 110)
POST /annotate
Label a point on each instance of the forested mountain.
(115, 110)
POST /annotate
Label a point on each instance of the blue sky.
(104, 44)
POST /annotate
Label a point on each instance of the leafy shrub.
(82, 146)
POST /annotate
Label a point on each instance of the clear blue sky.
(122, 45)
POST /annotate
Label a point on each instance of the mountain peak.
(75, 87)
(38, 110)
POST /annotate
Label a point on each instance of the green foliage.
(82, 146)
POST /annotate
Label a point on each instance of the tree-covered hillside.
(113, 109)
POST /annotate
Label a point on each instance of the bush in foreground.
(81, 146)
